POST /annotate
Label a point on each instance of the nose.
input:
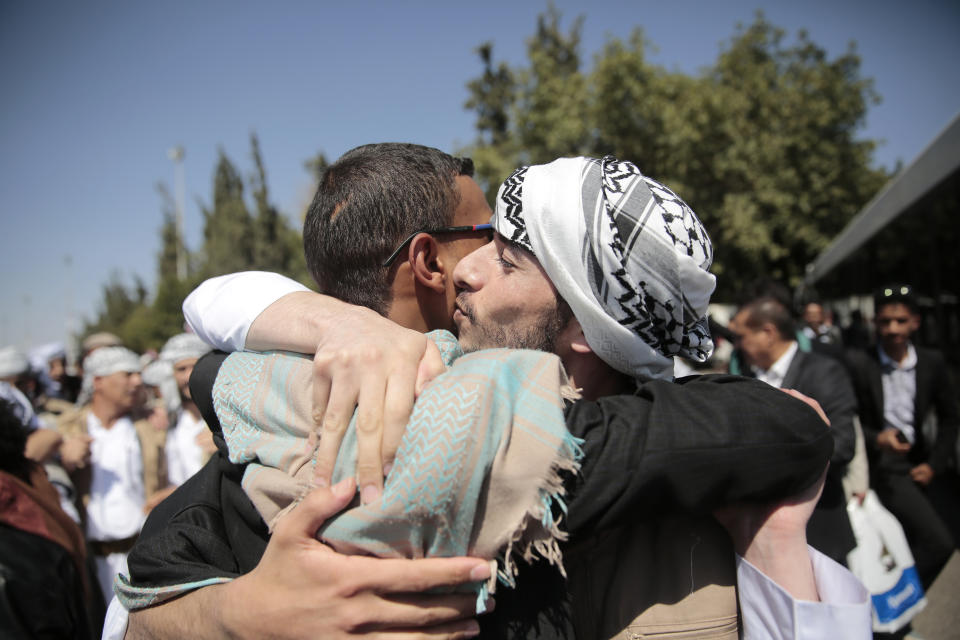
(467, 275)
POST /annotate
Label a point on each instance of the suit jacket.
(935, 395)
(826, 380)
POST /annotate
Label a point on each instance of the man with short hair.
(425, 271)
(766, 336)
(902, 386)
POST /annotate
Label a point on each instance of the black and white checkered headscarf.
(626, 253)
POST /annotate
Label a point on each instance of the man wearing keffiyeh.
(540, 295)
(629, 259)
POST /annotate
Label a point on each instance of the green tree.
(234, 240)
(228, 231)
(118, 304)
(171, 243)
(763, 144)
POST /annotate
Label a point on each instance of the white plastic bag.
(883, 562)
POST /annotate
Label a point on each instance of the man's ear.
(573, 335)
(424, 258)
(914, 321)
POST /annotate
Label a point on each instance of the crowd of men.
(587, 259)
(103, 446)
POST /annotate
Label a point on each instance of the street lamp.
(176, 155)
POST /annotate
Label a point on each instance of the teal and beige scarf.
(477, 472)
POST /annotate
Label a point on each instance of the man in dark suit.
(767, 340)
(900, 388)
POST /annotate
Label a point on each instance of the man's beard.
(541, 335)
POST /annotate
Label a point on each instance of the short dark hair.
(772, 310)
(367, 202)
(895, 294)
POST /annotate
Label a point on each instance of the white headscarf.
(13, 362)
(104, 362)
(184, 346)
(625, 252)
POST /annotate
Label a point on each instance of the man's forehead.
(516, 247)
(473, 207)
(894, 309)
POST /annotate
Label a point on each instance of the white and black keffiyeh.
(626, 253)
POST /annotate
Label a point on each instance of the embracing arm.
(222, 309)
(303, 589)
(692, 446)
(261, 311)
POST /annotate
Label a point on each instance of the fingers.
(810, 401)
(370, 413)
(398, 405)
(315, 509)
(335, 420)
(432, 615)
(397, 576)
(431, 365)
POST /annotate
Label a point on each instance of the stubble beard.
(541, 335)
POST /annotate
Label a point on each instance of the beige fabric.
(475, 474)
(673, 578)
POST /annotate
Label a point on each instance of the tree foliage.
(236, 236)
(763, 144)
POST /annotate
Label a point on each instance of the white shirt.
(770, 613)
(778, 370)
(115, 510)
(899, 381)
(222, 309)
(184, 455)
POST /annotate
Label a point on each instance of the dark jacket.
(825, 380)
(935, 396)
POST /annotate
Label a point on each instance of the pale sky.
(96, 93)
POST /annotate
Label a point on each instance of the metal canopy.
(938, 161)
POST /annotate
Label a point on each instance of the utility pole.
(176, 154)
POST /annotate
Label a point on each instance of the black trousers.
(930, 539)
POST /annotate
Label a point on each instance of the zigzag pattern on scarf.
(232, 400)
(511, 193)
(433, 451)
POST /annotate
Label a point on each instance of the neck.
(107, 412)
(896, 352)
(190, 407)
(416, 307)
(593, 377)
(776, 352)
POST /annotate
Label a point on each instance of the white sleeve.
(222, 309)
(115, 623)
(770, 613)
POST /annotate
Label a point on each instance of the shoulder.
(73, 421)
(932, 357)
